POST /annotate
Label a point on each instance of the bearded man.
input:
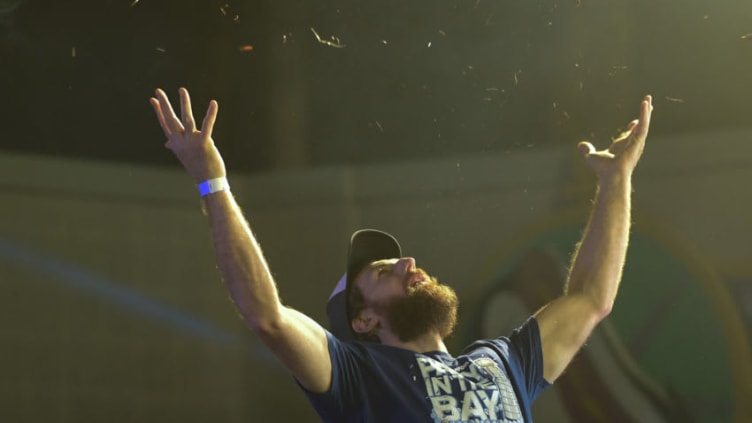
(384, 359)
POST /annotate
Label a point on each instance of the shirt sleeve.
(341, 399)
(525, 344)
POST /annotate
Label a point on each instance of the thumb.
(586, 148)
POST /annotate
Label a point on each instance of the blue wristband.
(213, 185)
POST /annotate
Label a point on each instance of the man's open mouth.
(416, 279)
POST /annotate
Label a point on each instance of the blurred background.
(451, 124)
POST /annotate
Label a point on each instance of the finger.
(160, 116)
(185, 109)
(170, 117)
(646, 110)
(211, 116)
(586, 148)
(627, 132)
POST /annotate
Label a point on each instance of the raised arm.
(596, 270)
(298, 341)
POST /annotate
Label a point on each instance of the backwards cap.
(366, 246)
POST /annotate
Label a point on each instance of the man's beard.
(430, 307)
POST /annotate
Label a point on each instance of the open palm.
(194, 148)
(622, 156)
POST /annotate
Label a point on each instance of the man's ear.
(366, 322)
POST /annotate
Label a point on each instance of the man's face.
(406, 300)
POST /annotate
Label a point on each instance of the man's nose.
(406, 265)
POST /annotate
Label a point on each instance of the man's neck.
(426, 343)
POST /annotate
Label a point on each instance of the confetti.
(160, 49)
(246, 48)
(615, 70)
(73, 52)
(335, 42)
(517, 78)
(134, 2)
(381, 128)
(674, 99)
(746, 36)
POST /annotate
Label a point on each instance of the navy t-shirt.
(493, 380)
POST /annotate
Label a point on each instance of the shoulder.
(363, 353)
(525, 339)
(370, 379)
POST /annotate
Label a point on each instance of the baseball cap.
(366, 246)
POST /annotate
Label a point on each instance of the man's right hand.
(194, 148)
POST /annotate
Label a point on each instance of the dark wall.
(412, 79)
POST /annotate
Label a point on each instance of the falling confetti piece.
(134, 2)
(746, 36)
(517, 78)
(429, 44)
(246, 48)
(615, 70)
(336, 43)
(674, 99)
(381, 128)
(73, 52)
(160, 49)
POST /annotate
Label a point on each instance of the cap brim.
(367, 246)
